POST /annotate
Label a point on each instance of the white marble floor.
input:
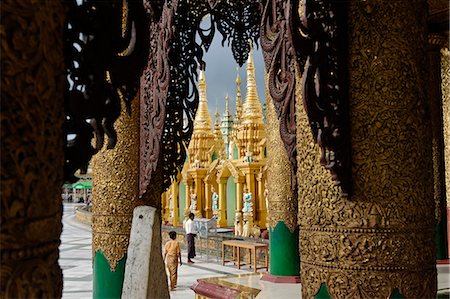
(76, 262)
(75, 256)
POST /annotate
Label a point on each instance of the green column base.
(324, 294)
(284, 255)
(107, 283)
(396, 295)
(441, 239)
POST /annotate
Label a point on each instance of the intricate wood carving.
(153, 94)
(283, 206)
(308, 35)
(106, 49)
(279, 58)
(170, 95)
(32, 87)
(367, 246)
(321, 46)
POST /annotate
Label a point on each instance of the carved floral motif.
(445, 75)
(283, 205)
(105, 49)
(32, 85)
(367, 246)
(115, 189)
(279, 58)
(310, 36)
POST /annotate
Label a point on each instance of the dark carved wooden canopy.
(111, 44)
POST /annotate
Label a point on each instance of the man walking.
(191, 232)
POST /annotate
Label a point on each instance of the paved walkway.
(75, 256)
(76, 262)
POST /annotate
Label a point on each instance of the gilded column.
(222, 202)
(262, 209)
(32, 157)
(445, 77)
(239, 194)
(208, 205)
(282, 218)
(167, 207)
(366, 246)
(115, 195)
(175, 204)
(435, 43)
(164, 206)
(188, 194)
(200, 190)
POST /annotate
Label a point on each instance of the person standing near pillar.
(191, 233)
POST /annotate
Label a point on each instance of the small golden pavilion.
(227, 158)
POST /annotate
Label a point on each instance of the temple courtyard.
(76, 263)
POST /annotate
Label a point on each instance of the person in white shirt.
(191, 232)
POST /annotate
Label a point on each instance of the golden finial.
(202, 121)
(252, 110)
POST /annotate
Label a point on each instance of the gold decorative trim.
(282, 205)
(366, 245)
(445, 87)
(115, 189)
(367, 284)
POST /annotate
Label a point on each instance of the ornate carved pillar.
(435, 43)
(32, 89)
(282, 218)
(115, 195)
(175, 203)
(222, 202)
(445, 77)
(366, 246)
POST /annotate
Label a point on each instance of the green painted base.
(396, 295)
(107, 283)
(284, 255)
(441, 240)
(322, 293)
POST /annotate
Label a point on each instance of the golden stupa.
(224, 158)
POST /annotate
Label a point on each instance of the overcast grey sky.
(221, 76)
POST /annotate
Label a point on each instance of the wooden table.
(251, 246)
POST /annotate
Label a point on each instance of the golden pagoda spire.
(218, 137)
(252, 110)
(202, 121)
(238, 97)
(217, 131)
(227, 104)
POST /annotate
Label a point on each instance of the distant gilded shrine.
(225, 160)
